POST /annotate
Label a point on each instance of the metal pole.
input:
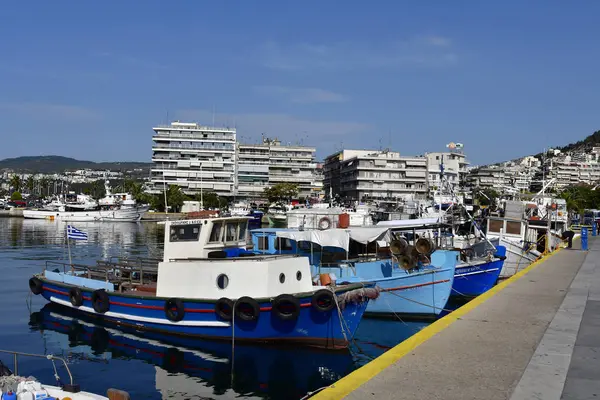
(201, 191)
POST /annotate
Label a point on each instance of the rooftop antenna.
(213, 119)
(167, 117)
(390, 139)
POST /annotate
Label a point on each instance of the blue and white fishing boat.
(198, 291)
(419, 288)
(479, 270)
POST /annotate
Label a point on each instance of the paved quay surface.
(535, 336)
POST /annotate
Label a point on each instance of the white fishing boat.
(239, 210)
(117, 207)
(326, 218)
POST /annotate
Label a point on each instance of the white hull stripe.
(478, 272)
(136, 318)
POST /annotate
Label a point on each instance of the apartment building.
(269, 163)
(362, 175)
(192, 157)
(487, 178)
(455, 168)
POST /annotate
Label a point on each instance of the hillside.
(57, 164)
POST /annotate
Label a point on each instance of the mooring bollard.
(584, 238)
(594, 228)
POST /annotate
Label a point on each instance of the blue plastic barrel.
(9, 396)
(584, 238)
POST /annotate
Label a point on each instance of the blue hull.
(421, 294)
(474, 279)
(312, 327)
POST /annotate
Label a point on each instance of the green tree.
(281, 192)
(30, 184)
(16, 196)
(175, 198)
(487, 197)
(97, 189)
(45, 186)
(16, 182)
(210, 200)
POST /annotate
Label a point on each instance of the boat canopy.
(337, 237)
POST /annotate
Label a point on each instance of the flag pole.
(69, 246)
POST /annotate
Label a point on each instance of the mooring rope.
(418, 302)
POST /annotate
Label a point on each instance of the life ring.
(247, 309)
(36, 286)
(286, 307)
(100, 301)
(324, 223)
(323, 300)
(76, 297)
(224, 308)
(174, 309)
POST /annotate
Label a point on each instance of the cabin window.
(222, 281)
(242, 233)
(305, 246)
(495, 225)
(281, 278)
(215, 234)
(514, 228)
(263, 243)
(298, 275)
(283, 244)
(231, 232)
(184, 233)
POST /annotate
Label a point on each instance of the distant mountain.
(58, 164)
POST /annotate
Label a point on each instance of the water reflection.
(251, 371)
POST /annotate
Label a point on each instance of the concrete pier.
(533, 336)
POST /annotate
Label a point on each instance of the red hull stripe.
(190, 310)
(414, 286)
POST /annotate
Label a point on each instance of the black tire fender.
(76, 297)
(224, 308)
(100, 301)
(286, 307)
(174, 309)
(247, 309)
(36, 286)
(323, 300)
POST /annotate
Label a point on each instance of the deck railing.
(50, 357)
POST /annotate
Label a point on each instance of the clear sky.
(89, 79)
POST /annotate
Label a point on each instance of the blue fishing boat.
(199, 291)
(411, 285)
(478, 272)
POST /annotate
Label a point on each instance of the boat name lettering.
(186, 222)
(467, 269)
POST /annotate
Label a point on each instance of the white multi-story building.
(269, 163)
(491, 177)
(455, 168)
(193, 156)
(362, 175)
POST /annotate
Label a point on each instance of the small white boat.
(15, 387)
(239, 210)
(114, 207)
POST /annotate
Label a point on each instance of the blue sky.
(89, 79)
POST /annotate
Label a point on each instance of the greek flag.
(76, 234)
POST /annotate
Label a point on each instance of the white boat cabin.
(198, 263)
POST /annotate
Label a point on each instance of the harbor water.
(150, 366)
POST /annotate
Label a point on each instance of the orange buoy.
(325, 279)
(344, 220)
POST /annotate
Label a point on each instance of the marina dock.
(533, 336)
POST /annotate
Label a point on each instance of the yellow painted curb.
(351, 382)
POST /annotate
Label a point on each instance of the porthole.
(222, 281)
(299, 275)
(282, 277)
